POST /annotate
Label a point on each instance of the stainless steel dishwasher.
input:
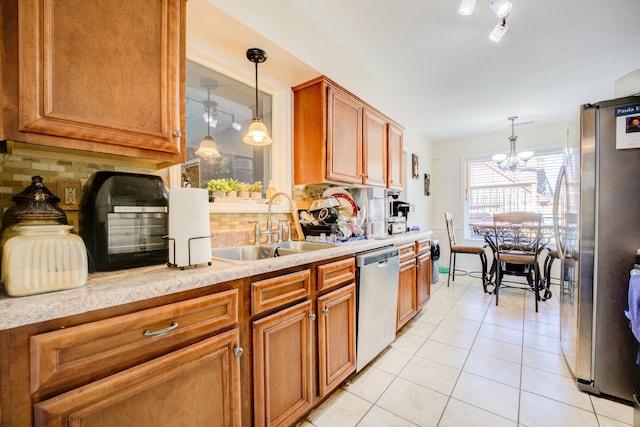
(377, 302)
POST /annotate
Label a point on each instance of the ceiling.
(437, 70)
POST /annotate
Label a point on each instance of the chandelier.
(514, 159)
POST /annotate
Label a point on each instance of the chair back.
(517, 233)
(450, 231)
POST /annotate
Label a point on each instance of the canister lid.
(35, 202)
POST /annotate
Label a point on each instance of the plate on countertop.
(347, 205)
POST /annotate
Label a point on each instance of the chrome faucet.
(257, 231)
(277, 232)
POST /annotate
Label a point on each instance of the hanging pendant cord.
(257, 112)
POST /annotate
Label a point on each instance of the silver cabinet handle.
(177, 133)
(149, 333)
(238, 351)
(312, 316)
(325, 311)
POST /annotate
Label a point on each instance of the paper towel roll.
(189, 233)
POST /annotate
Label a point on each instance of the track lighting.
(466, 7)
(500, 7)
(498, 31)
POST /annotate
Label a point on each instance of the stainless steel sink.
(303, 245)
(250, 253)
(245, 253)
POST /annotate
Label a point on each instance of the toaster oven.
(125, 220)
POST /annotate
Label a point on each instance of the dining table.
(486, 230)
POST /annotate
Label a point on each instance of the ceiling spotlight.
(236, 126)
(500, 7)
(466, 7)
(498, 31)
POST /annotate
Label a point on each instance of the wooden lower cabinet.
(282, 365)
(407, 302)
(304, 351)
(423, 279)
(196, 386)
(336, 337)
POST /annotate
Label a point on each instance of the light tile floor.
(462, 361)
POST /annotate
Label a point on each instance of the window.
(223, 107)
(490, 189)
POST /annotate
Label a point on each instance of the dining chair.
(455, 249)
(517, 239)
(552, 255)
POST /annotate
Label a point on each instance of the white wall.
(414, 188)
(447, 180)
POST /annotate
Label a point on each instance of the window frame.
(281, 131)
(541, 151)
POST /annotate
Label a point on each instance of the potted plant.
(218, 187)
(243, 189)
(234, 187)
(256, 190)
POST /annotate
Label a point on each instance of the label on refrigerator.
(628, 127)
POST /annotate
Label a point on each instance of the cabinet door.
(103, 76)
(407, 302)
(282, 366)
(195, 386)
(423, 280)
(375, 149)
(336, 337)
(344, 137)
(395, 158)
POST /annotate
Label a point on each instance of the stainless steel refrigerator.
(597, 223)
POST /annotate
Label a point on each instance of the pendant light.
(208, 149)
(257, 133)
(514, 160)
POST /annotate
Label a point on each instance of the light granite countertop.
(109, 289)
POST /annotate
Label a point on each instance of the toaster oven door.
(135, 232)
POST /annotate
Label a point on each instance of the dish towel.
(633, 313)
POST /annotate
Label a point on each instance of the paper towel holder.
(173, 242)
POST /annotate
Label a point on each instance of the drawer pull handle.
(238, 351)
(169, 328)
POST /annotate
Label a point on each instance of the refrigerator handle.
(562, 175)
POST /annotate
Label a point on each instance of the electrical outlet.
(70, 196)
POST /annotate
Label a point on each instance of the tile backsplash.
(16, 172)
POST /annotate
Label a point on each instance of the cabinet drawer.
(423, 246)
(336, 273)
(279, 291)
(84, 353)
(407, 251)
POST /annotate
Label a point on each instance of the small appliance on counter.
(39, 252)
(398, 219)
(377, 213)
(189, 230)
(124, 220)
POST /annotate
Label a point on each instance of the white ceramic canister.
(43, 258)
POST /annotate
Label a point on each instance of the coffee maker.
(398, 219)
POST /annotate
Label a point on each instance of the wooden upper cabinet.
(344, 138)
(105, 77)
(375, 149)
(395, 158)
(337, 137)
